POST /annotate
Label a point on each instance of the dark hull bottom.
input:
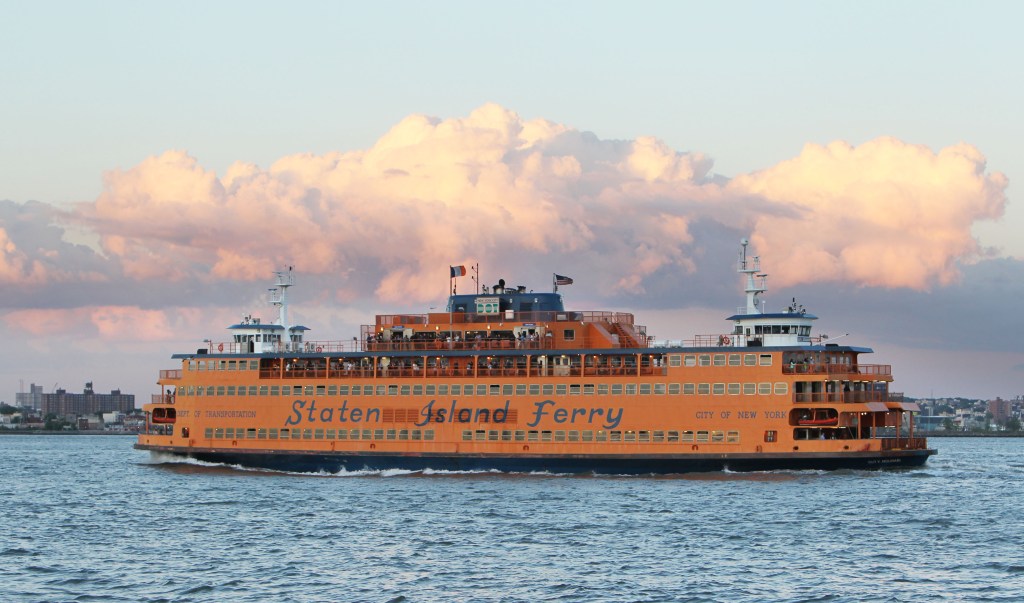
(604, 464)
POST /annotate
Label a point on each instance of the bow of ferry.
(509, 379)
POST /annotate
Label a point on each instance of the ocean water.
(90, 519)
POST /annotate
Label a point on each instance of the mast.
(750, 268)
(279, 298)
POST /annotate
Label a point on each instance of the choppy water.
(91, 519)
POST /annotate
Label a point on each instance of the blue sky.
(94, 88)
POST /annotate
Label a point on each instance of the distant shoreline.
(75, 432)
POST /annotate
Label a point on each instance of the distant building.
(88, 402)
(32, 399)
(1000, 410)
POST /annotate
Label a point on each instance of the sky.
(158, 161)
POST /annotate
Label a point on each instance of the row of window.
(478, 435)
(673, 360)
(263, 433)
(764, 388)
(586, 435)
(722, 360)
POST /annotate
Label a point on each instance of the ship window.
(232, 365)
(734, 389)
(770, 436)
(467, 435)
(645, 388)
(520, 435)
(285, 433)
(275, 390)
(689, 389)
(286, 390)
(615, 436)
(703, 388)
(601, 436)
(588, 389)
(378, 434)
(307, 434)
(191, 365)
(442, 390)
(321, 390)
(202, 365)
(332, 390)
(574, 389)
(532, 435)
(719, 360)
(428, 435)
(631, 389)
(534, 389)
(602, 389)
(254, 365)
(417, 390)
(749, 389)
(574, 436)
(296, 434)
(689, 360)
(675, 360)
(342, 434)
(218, 433)
(560, 389)
(765, 360)
(559, 436)
(403, 434)
(431, 390)
(229, 433)
(416, 434)
(382, 390)
(231, 390)
(521, 389)
(220, 390)
(718, 389)
(569, 334)
(643, 436)
(781, 388)
(264, 390)
(764, 389)
(262, 433)
(702, 436)
(749, 359)
(209, 433)
(658, 436)
(734, 359)
(545, 436)
(392, 434)
(506, 435)
(508, 389)
(717, 436)
(356, 390)
(732, 436)
(222, 365)
(355, 434)
(687, 436)
(587, 435)
(405, 389)
(495, 390)
(704, 360)
(481, 389)
(659, 388)
(616, 389)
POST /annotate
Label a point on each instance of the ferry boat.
(510, 380)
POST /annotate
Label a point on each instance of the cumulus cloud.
(885, 213)
(526, 198)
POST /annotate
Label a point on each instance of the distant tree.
(7, 409)
(1012, 424)
(948, 424)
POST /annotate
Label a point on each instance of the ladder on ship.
(627, 338)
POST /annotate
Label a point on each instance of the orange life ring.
(319, 349)
(220, 347)
(725, 340)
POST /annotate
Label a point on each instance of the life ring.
(220, 347)
(725, 340)
(319, 349)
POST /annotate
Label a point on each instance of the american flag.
(562, 280)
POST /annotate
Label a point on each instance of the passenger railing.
(850, 397)
(458, 370)
(805, 368)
